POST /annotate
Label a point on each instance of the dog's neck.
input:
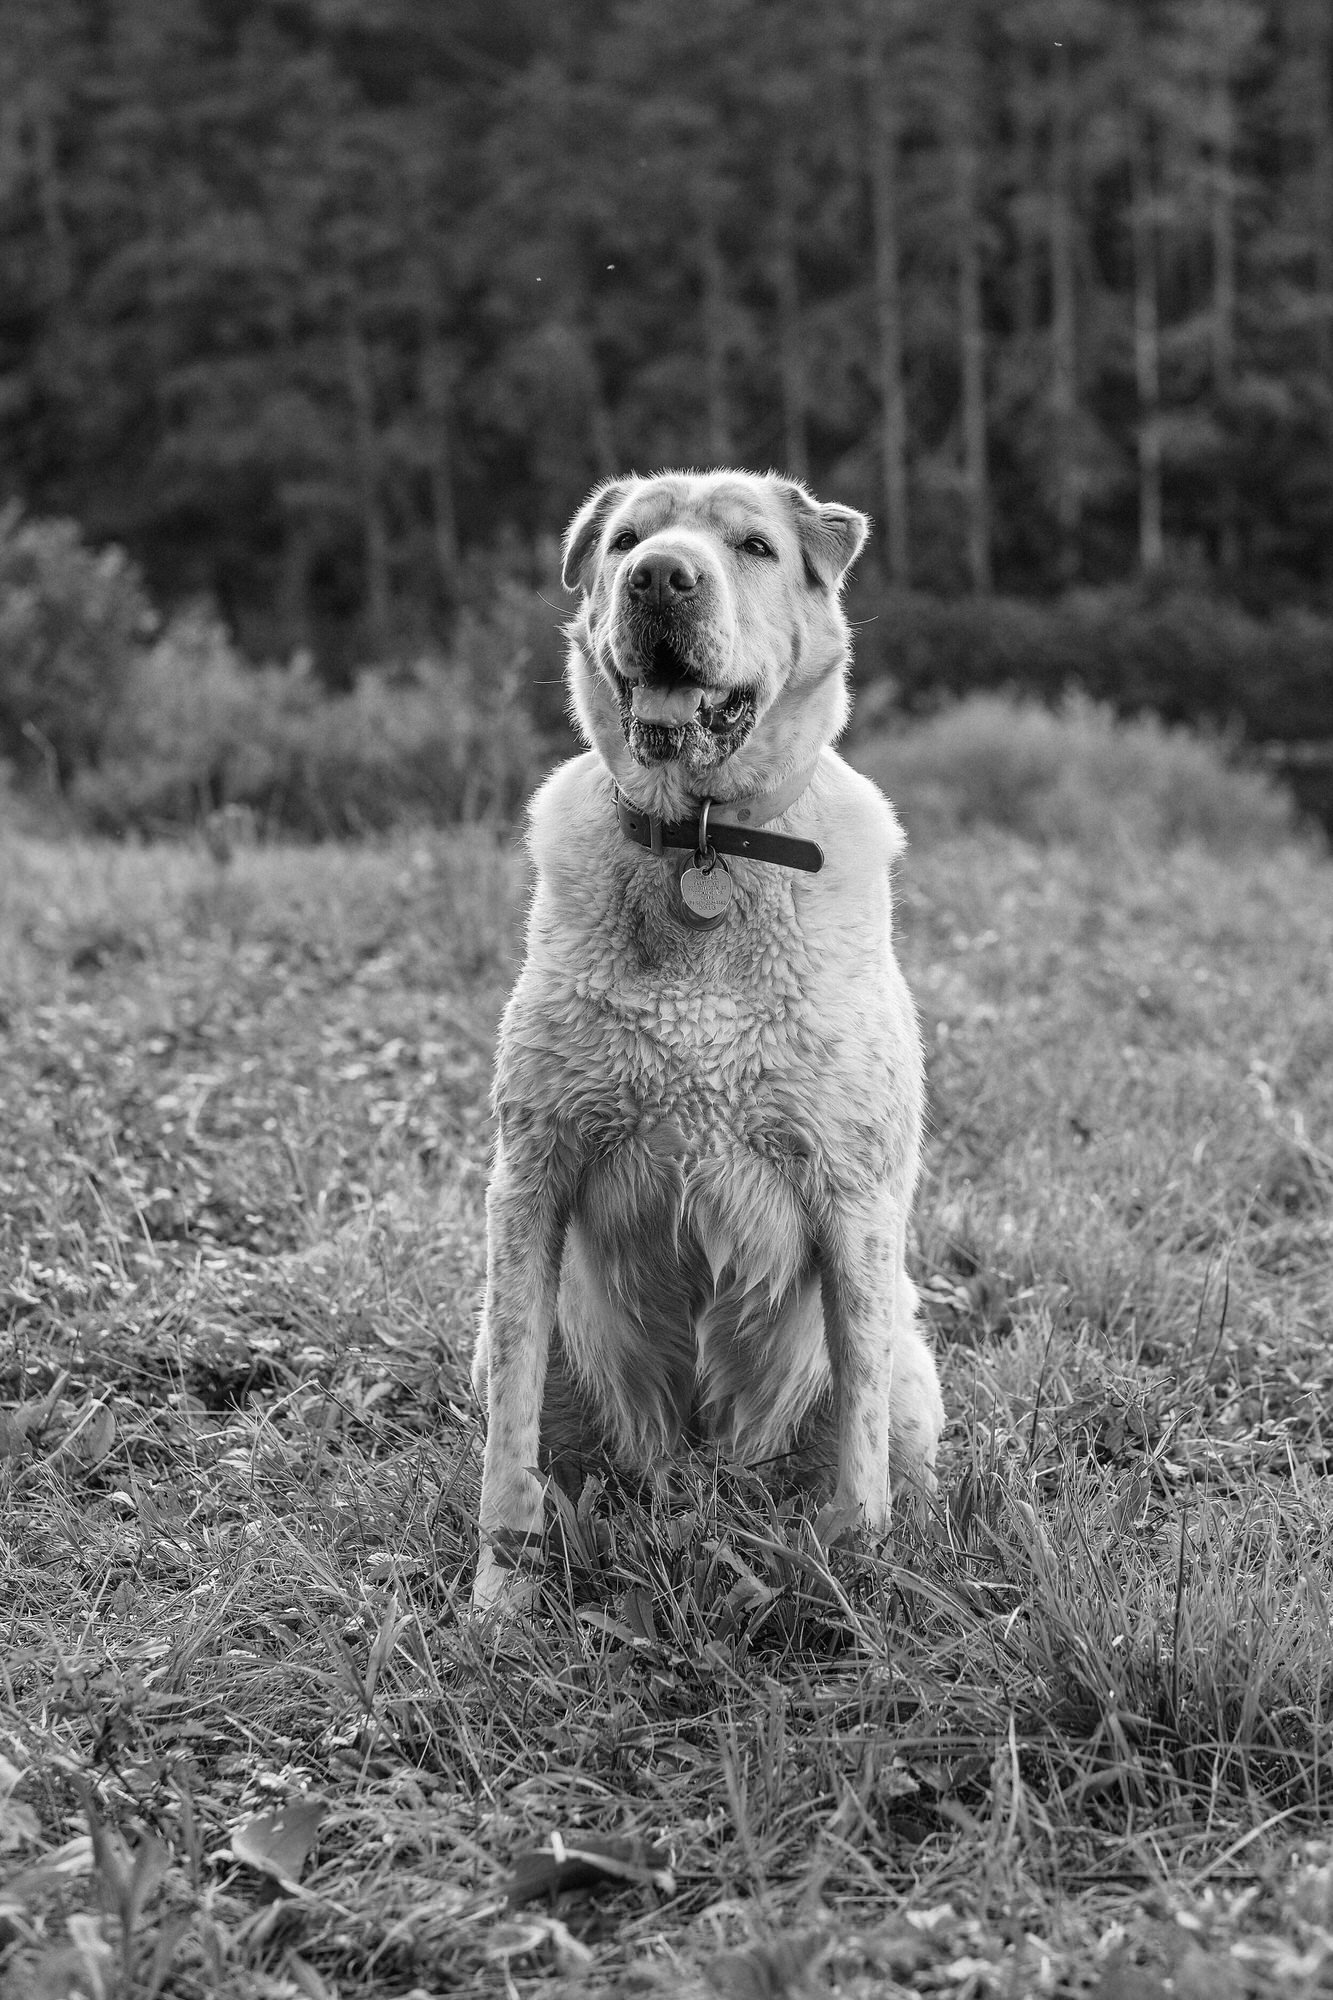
(734, 828)
(758, 808)
(745, 809)
(667, 793)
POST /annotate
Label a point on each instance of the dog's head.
(709, 652)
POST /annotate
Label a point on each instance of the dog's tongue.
(677, 705)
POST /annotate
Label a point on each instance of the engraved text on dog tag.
(705, 891)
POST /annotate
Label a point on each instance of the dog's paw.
(506, 1583)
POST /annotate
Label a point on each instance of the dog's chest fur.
(694, 1018)
(712, 1097)
(737, 1036)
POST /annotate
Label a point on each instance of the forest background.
(319, 317)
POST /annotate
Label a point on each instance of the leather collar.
(732, 827)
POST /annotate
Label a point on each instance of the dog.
(708, 1084)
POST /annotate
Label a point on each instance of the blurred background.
(319, 317)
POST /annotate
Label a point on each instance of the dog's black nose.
(661, 578)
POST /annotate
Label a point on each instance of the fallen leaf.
(279, 1843)
(94, 1439)
(74, 1858)
(637, 1611)
(530, 1934)
(14, 1431)
(18, 1825)
(29, 1419)
(587, 1861)
(306, 1978)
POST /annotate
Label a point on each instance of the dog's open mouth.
(670, 714)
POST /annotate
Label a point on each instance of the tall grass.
(1072, 1732)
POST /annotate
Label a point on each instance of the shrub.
(511, 635)
(429, 745)
(1074, 774)
(72, 623)
(1174, 649)
(197, 729)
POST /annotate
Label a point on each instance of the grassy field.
(1073, 1735)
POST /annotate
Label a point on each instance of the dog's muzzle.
(670, 708)
(666, 719)
(668, 666)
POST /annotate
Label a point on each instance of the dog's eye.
(626, 539)
(755, 545)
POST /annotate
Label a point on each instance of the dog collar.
(729, 826)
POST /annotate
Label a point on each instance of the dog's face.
(710, 648)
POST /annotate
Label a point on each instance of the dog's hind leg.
(916, 1407)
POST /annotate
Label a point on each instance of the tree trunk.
(1064, 333)
(883, 169)
(294, 581)
(13, 163)
(436, 391)
(366, 461)
(1028, 175)
(1147, 342)
(1222, 226)
(971, 324)
(50, 194)
(570, 299)
(1320, 57)
(1319, 54)
(791, 354)
(713, 326)
(1222, 219)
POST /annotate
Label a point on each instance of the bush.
(198, 730)
(1170, 648)
(1075, 774)
(429, 746)
(72, 623)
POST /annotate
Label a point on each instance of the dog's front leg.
(526, 1213)
(859, 1283)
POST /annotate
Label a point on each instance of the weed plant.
(1069, 1731)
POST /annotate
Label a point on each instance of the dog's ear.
(831, 537)
(583, 531)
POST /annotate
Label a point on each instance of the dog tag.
(705, 891)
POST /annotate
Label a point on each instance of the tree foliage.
(307, 301)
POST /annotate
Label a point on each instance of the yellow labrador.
(709, 1082)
